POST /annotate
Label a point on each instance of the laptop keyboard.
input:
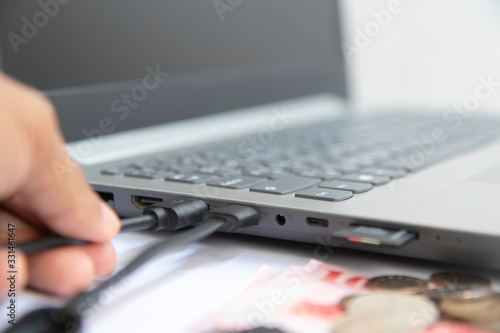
(329, 161)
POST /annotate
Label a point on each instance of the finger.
(103, 257)
(63, 271)
(12, 282)
(24, 231)
(67, 270)
(40, 181)
(102, 254)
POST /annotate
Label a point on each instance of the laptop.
(247, 102)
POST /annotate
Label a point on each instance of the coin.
(457, 292)
(407, 312)
(485, 309)
(364, 324)
(397, 283)
(492, 326)
(347, 301)
(455, 278)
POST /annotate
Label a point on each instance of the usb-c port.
(314, 222)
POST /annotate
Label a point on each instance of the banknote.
(320, 297)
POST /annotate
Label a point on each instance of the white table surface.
(179, 288)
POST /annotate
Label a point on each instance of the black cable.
(138, 223)
(229, 218)
(163, 216)
(45, 243)
(86, 300)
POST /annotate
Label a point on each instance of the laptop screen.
(219, 55)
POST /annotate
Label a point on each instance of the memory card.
(375, 235)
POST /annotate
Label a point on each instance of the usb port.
(142, 202)
(314, 222)
(108, 197)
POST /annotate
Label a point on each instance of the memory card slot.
(376, 236)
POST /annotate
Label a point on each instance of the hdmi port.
(142, 202)
(313, 222)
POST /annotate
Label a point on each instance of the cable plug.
(234, 217)
(176, 214)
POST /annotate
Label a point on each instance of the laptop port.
(108, 197)
(314, 222)
(280, 219)
(142, 202)
(376, 236)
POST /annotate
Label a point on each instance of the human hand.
(35, 199)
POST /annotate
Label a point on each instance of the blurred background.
(228, 54)
(429, 55)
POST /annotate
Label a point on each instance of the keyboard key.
(237, 182)
(116, 171)
(267, 172)
(184, 168)
(307, 173)
(143, 163)
(324, 194)
(285, 185)
(145, 175)
(256, 173)
(209, 169)
(344, 167)
(149, 169)
(349, 186)
(364, 178)
(191, 178)
(329, 174)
